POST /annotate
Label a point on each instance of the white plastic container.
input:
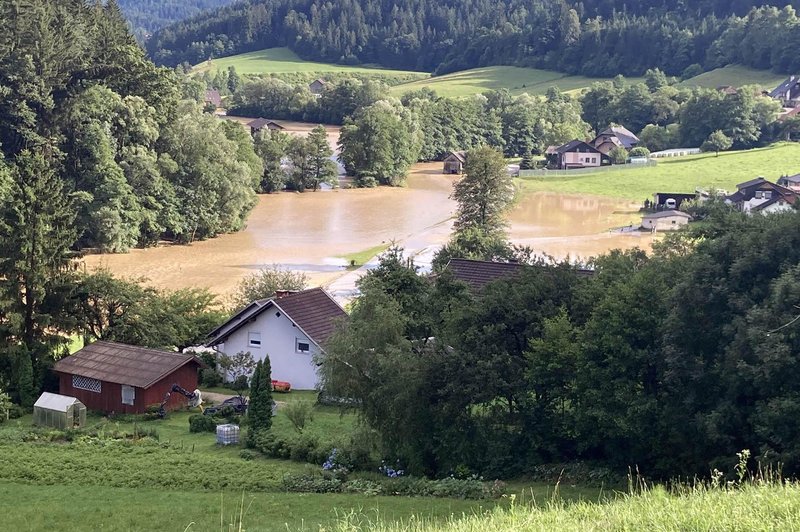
(227, 434)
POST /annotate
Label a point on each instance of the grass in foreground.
(680, 174)
(735, 76)
(515, 79)
(771, 506)
(285, 61)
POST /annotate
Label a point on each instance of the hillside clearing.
(517, 80)
(285, 61)
(681, 174)
(735, 76)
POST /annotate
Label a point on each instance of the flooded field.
(313, 230)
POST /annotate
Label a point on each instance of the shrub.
(362, 486)
(639, 151)
(299, 413)
(201, 423)
(240, 383)
(210, 378)
(311, 484)
(247, 454)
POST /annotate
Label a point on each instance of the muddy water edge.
(312, 231)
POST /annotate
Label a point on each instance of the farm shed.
(125, 379)
(58, 411)
(454, 162)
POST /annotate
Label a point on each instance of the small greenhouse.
(58, 411)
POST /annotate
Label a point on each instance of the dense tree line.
(671, 362)
(603, 37)
(97, 149)
(146, 16)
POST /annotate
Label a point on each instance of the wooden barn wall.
(109, 400)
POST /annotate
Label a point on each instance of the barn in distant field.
(125, 379)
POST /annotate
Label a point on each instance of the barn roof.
(625, 136)
(667, 214)
(781, 89)
(478, 273)
(123, 364)
(460, 155)
(54, 401)
(214, 97)
(576, 144)
(313, 311)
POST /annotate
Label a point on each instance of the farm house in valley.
(124, 379)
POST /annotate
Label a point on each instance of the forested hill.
(146, 16)
(591, 37)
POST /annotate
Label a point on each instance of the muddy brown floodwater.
(311, 231)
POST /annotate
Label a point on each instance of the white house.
(665, 220)
(290, 328)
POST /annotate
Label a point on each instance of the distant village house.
(454, 162)
(261, 123)
(671, 220)
(788, 93)
(317, 87)
(213, 97)
(576, 154)
(760, 195)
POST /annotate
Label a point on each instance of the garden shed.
(58, 411)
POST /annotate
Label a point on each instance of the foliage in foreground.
(670, 361)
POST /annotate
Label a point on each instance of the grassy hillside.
(515, 79)
(754, 506)
(735, 76)
(285, 61)
(681, 174)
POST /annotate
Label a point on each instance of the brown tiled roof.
(123, 364)
(313, 311)
(478, 273)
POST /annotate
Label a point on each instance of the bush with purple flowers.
(389, 471)
(334, 466)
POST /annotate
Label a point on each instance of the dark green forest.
(603, 37)
(146, 16)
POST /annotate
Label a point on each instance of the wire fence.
(581, 171)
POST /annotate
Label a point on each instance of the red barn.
(124, 379)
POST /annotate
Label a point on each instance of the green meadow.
(517, 80)
(735, 76)
(285, 61)
(679, 174)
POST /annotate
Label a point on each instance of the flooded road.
(313, 230)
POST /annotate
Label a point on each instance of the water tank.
(227, 434)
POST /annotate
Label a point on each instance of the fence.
(581, 171)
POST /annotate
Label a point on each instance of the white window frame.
(128, 395)
(254, 339)
(86, 383)
(297, 342)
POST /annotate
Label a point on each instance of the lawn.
(680, 174)
(735, 76)
(515, 79)
(285, 61)
(95, 482)
(752, 506)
